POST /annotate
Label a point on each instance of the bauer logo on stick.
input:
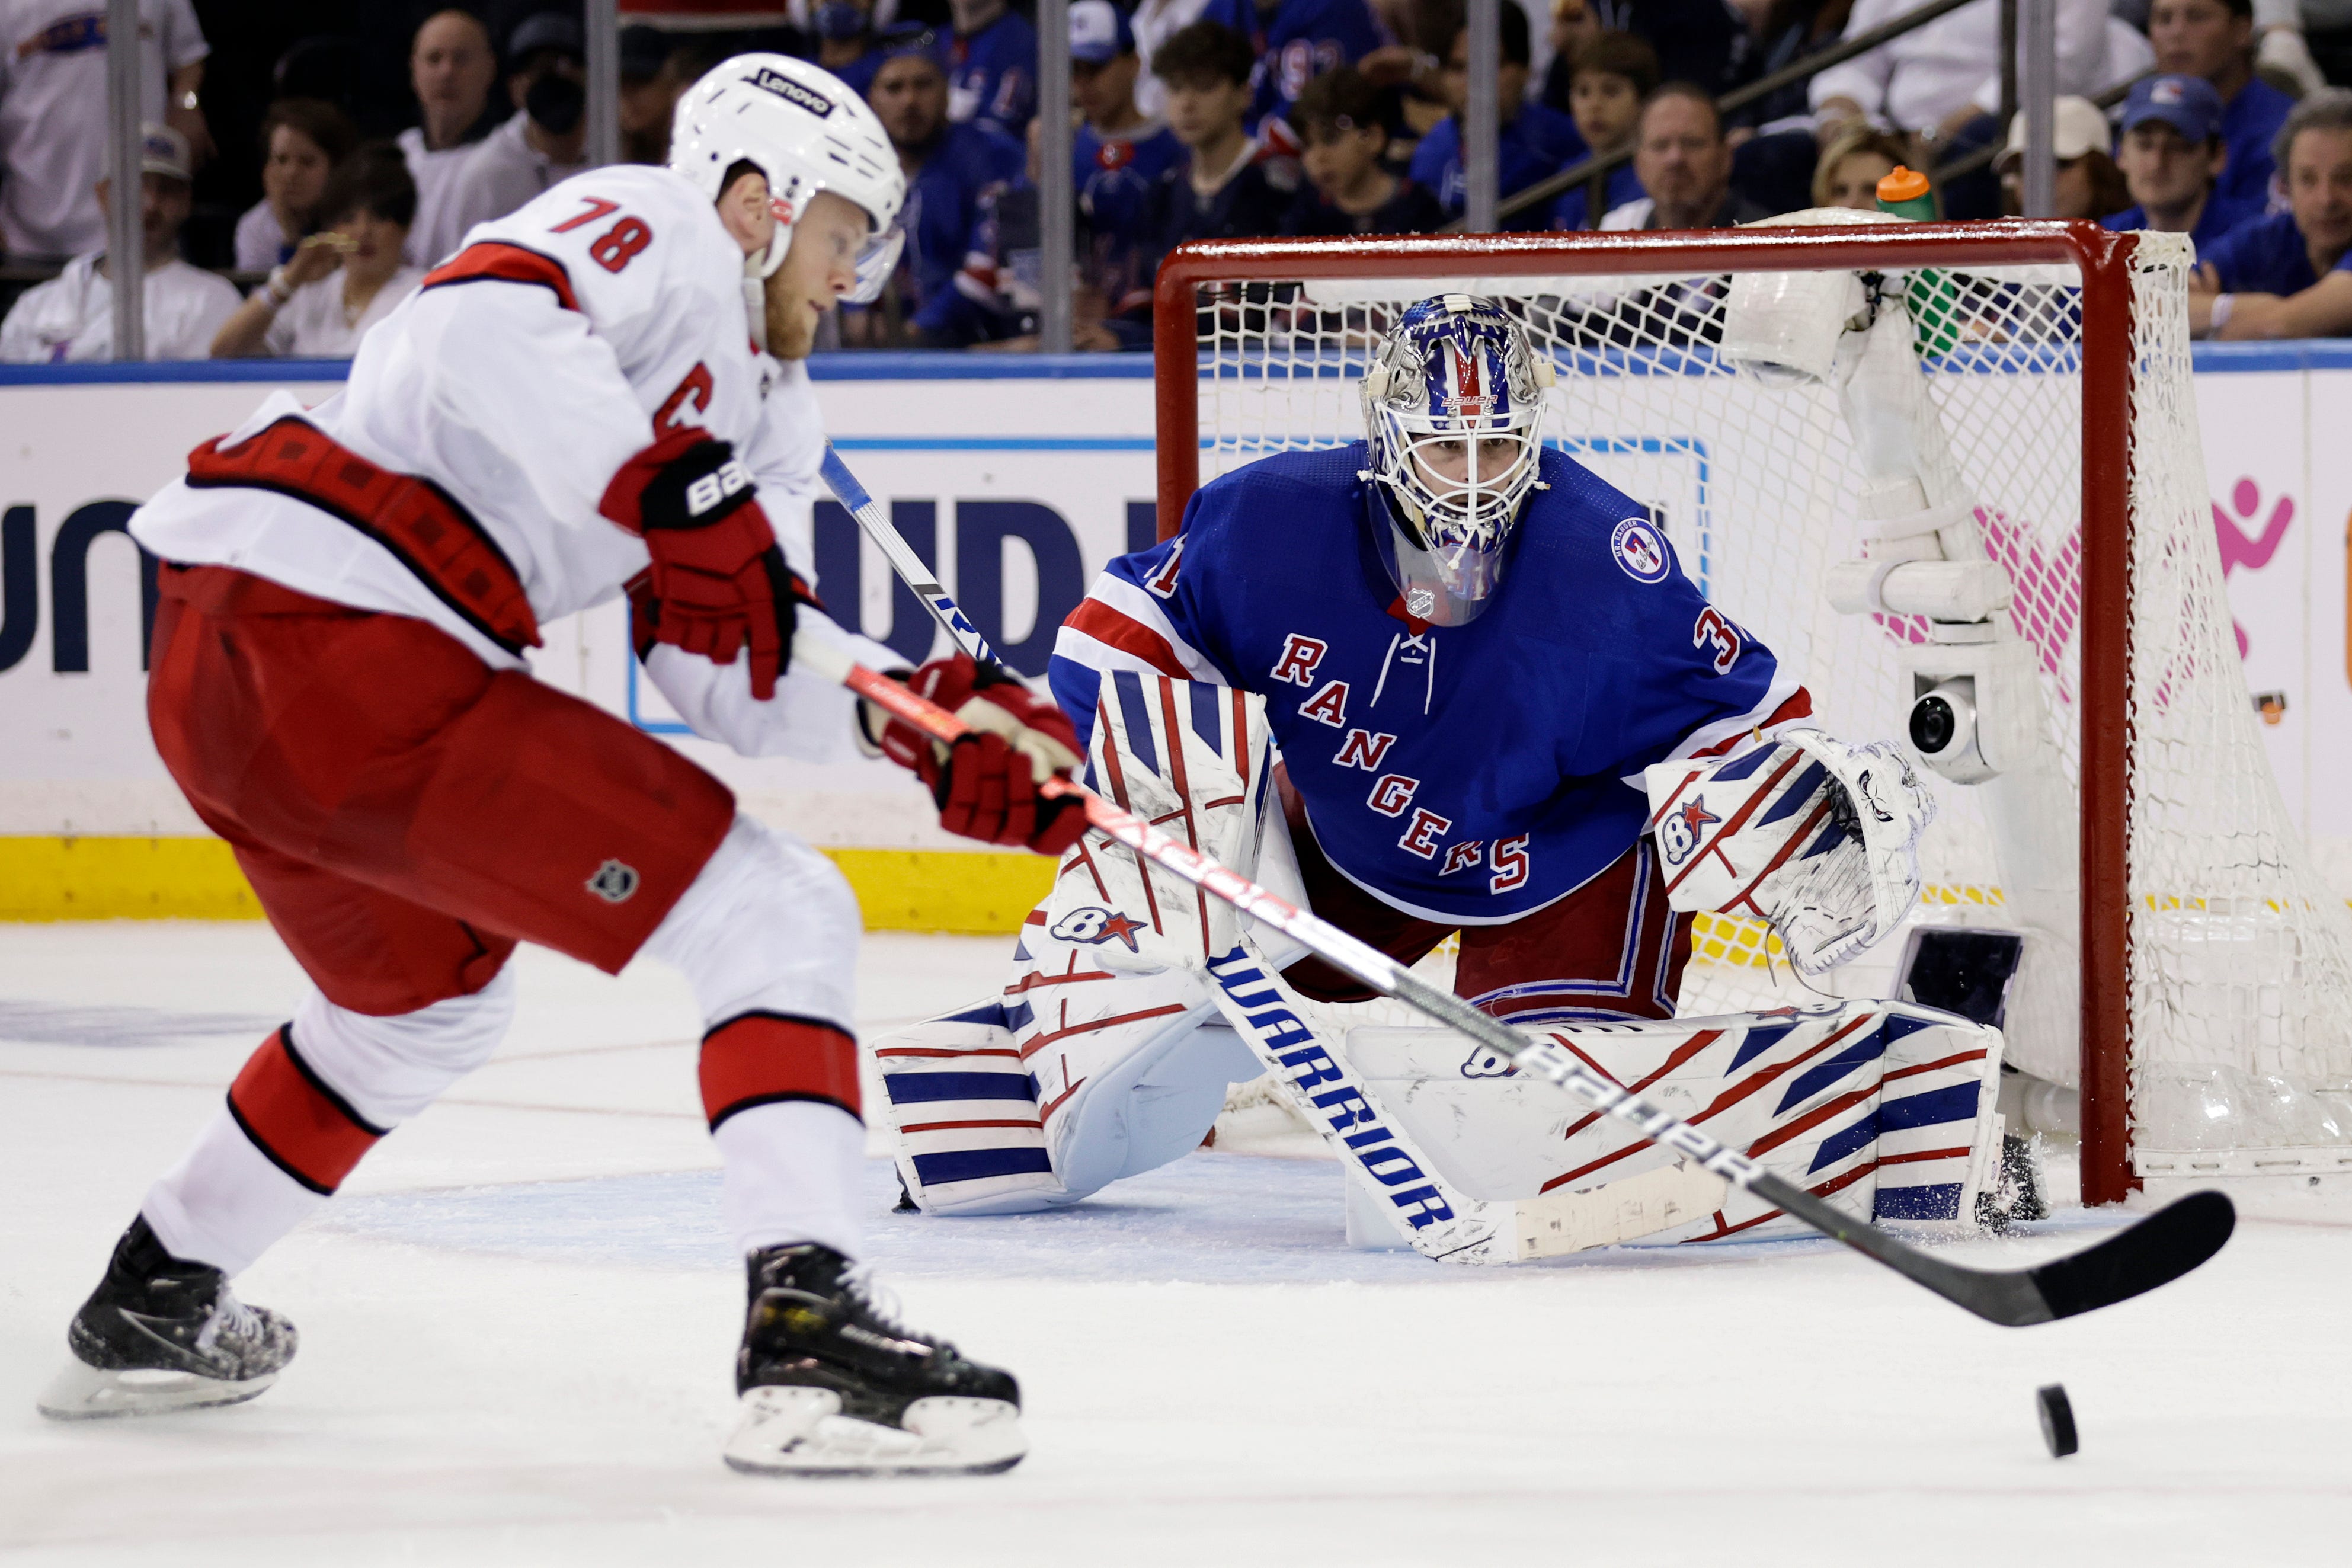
(1639, 550)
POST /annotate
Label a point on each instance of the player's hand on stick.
(719, 584)
(986, 783)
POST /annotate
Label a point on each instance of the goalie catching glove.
(718, 584)
(986, 783)
(1817, 836)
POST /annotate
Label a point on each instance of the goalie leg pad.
(1882, 1108)
(965, 1108)
(1096, 1043)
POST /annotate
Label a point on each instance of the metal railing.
(1485, 205)
(1594, 171)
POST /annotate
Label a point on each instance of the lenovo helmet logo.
(785, 88)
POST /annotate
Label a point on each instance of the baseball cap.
(644, 51)
(2188, 103)
(163, 150)
(1098, 32)
(545, 30)
(2077, 128)
(913, 38)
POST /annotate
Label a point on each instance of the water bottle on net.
(1933, 300)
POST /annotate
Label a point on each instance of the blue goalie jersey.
(1466, 773)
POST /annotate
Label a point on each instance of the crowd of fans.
(1195, 119)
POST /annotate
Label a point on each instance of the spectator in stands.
(844, 41)
(71, 316)
(1855, 160)
(1787, 31)
(2208, 38)
(1118, 158)
(1685, 164)
(1942, 81)
(302, 139)
(2289, 275)
(1290, 41)
(2172, 155)
(545, 142)
(653, 74)
(2087, 184)
(998, 299)
(949, 166)
(1154, 21)
(1233, 187)
(451, 67)
(1530, 140)
(343, 280)
(1347, 189)
(1574, 25)
(1607, 83)
(992, 67)
(1702, 42)
(54, 132)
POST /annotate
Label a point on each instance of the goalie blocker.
(1110, 1050)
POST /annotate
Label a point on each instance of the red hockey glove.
(719, 584)
(986, 783)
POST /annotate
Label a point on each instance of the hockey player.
(574, 403)
(1466, 650)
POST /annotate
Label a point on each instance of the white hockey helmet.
(807, 131)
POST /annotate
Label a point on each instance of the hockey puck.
(2057, 1420)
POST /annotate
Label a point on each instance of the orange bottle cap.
(1903, 185)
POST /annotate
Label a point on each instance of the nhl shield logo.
(614, 882)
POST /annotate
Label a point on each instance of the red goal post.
(2105, 263)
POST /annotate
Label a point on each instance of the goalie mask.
(1451, 406)
(807, 131)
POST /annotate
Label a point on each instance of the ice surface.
(517, 1328)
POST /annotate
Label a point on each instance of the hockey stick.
(2150, 1252)
(902, 557)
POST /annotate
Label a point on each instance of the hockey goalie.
(1445, 680)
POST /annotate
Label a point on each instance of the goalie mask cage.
(2186, 967)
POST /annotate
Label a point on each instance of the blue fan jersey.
(1469, 773)
(1300, 41)
(993, 76)
(1116, 180)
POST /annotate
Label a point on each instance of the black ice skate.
(161, 1333)
(830, 1385)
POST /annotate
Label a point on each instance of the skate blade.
(85, 1393)
(801, 1432)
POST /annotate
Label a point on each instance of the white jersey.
(71, 317)
(314, 324)
(505, 172)
(435, 231)
(53, 128)
(559, 344)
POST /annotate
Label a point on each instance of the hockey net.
(2213, 972)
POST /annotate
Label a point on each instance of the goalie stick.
(2151, 1251)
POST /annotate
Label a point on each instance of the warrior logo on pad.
(1639, 550)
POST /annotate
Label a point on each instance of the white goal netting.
(2241, 959)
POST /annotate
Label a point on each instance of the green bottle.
(1933, 301)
